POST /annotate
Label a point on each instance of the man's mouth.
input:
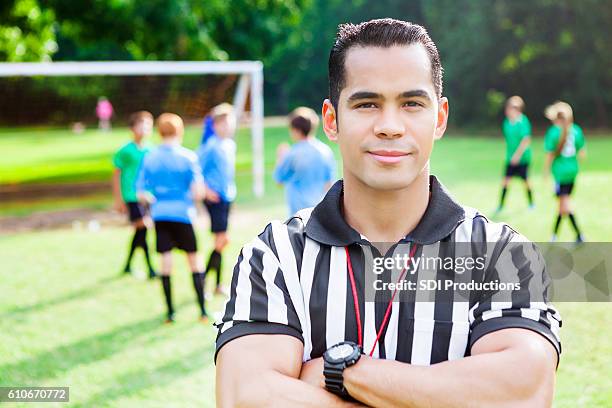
(388, 156)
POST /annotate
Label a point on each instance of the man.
(218, 160)
(170, 180)
(517, 132)
(127, 161)
(292, 301)
(563, 142)
(308, 167)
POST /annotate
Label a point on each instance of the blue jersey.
(305, 170)
(168, 173)
(218, 161)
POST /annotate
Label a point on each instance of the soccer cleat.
(169, 318)
(579, 239)
(204, 319)
(152, 274)
(553, 238)
(531, 207)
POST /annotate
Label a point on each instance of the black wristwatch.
(335, 360)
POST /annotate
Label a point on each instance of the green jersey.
(128, 159)
(515, 132)
(565, 165)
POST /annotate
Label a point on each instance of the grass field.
(68, 319)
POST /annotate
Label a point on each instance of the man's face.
(388, 115)
(142, 128)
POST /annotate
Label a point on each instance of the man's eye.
(413, 104)
(366, 105)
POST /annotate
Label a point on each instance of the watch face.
(341, 352)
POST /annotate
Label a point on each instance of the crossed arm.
(509, 367)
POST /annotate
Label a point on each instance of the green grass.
(67, 319)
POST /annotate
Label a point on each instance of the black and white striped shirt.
(292, 279)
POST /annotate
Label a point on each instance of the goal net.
(74, 96)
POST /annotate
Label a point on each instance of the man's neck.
(385, 216)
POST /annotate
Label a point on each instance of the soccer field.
(68, 319)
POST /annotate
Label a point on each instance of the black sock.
(167, 293)
(557, 223)
(136, 239)
(198, 286)
(503, 196)
(145, 248)
(214, 261)
(529, 196)
(573, 221)
(219, 269)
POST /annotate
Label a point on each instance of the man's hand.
(514, 161)
(312, 372)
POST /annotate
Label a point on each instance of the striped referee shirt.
(292, 279)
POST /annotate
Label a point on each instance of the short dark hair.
(138, 117)
(384, 32)
(305, 120)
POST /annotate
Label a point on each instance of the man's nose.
(389, 125)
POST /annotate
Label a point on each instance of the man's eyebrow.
(364, 95)
(415, 92)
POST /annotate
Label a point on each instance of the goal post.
(250, 85)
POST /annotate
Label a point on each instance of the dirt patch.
(13, 192)
(78, 218)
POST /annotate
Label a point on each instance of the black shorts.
(172, 234)
(516, 170)
(563, 189)
(136, 211)
(219, 213)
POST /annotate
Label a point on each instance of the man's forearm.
(273, 389)
(482, 380)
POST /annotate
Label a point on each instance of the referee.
(301, 327)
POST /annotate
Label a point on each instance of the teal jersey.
(514, 133)
(564, 165)
(128, 159)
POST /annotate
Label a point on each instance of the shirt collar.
(327, 225)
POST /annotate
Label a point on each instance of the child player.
(171, 179)
(564, 140)
(217, 159)
(127, 161)
(517, 132)
(308, 167)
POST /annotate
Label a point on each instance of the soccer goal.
(66, 92)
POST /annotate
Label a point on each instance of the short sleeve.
(284, 170)
(119, 159)
(579, 137)
(551, 139)
(195, 171)
(526, 127)
(522, 301)
(262, 295)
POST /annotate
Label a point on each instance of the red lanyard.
(356, 303)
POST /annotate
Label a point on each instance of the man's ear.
(330, 124)
(442, 119)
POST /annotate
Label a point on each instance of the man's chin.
(386, 182)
